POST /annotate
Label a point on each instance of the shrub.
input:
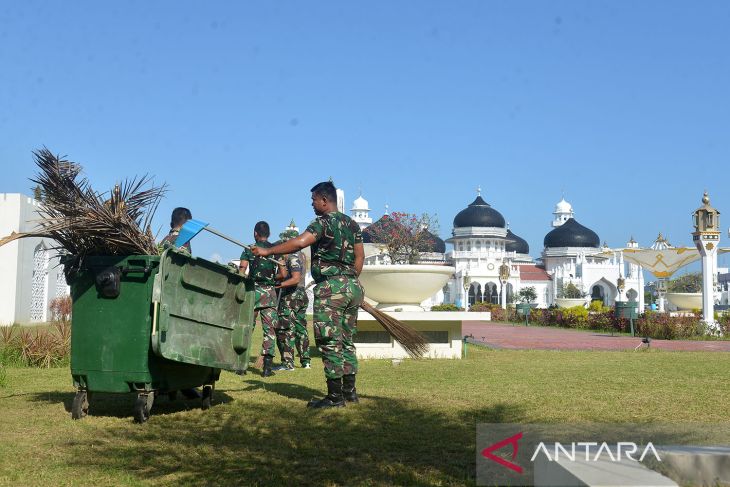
(446, 307)
(61, 308)
(482, 306)
(597, 306)
(39, 347)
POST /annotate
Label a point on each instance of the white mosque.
(483, 244)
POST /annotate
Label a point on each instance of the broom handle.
(233, 240)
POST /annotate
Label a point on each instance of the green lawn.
(415, 424)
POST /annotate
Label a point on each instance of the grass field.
(415, 424)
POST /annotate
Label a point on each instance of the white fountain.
(399, 290)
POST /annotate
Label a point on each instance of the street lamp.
(466, 294)
(661, 288)
(503, 278)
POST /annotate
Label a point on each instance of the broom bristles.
(412, 341)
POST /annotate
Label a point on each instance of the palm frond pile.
(85, 222)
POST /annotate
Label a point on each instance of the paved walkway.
(517, 337)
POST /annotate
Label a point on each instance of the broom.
(413, 342)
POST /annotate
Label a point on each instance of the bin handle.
(127, 270)
(155, 307)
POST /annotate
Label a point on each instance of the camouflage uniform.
(293, 312)
(263, 272)
(169, 241)
(338, 293)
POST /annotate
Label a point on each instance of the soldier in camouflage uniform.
(293, 309)
(177, 220)
(337, 259)
(264, 273)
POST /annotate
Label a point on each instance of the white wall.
(17, 214)
(9, 222)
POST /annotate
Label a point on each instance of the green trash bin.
(523, 309)
(151, 325)
(628, 310)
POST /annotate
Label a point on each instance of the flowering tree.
(404, 236)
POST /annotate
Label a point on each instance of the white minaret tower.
(563, 212)
(633, 269)
(360, 212)
(707, 238)
(340, 200)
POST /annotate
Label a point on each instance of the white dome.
(563, 206)
(360, 204)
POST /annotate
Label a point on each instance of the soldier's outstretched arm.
(359, 257)
(293, 245)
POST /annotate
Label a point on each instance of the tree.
(404, 235)
(570, 291)
(527, 294)
(688, 283)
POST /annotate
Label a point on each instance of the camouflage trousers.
(293, 312)
(266, 308)
(336, 302)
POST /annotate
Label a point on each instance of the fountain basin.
(686, 301)
(403, 287)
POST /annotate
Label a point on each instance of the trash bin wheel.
(142, 407)
(80, 406)
(207, 396)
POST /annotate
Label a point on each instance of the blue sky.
(241, 107)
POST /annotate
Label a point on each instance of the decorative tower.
(360, 212)
(291, 230)
(707, 238)
(563, 212)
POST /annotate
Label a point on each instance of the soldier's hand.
(260, 252)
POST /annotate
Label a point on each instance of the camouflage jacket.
(333, 252)
(263, 272)
(169, 241)
(260, 269)
(294, 263)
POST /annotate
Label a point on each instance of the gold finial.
(706, 198)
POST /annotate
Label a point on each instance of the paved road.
(528, 337)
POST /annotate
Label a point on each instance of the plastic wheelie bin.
(151, 325)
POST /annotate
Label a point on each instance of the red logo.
(512, 440)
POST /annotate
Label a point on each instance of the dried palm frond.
(85, 222)
(413, 342)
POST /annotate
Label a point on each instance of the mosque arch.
(604, 291)
(475, 293)
(491, 293)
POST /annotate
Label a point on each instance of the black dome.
(516, 244)
(479, 214)
(572, 234)
(432, 243)
(374, 233)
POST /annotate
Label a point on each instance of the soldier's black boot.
(333, 399)
(267, 372)
(348, 388)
